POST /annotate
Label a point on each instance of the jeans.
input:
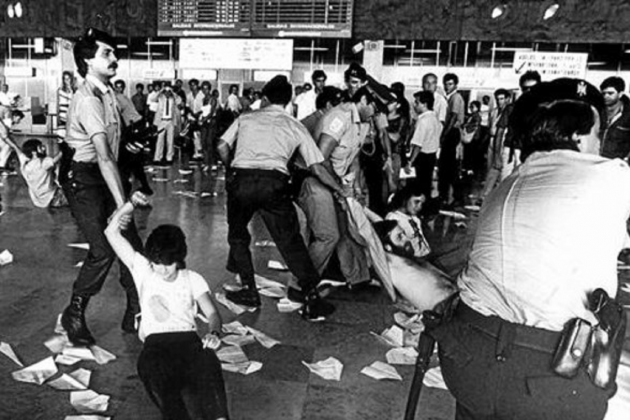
(174, 362)
(91, 204)
(265, 192)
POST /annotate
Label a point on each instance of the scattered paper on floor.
(62, 359)
(402, 356)
(67, 383)
(6, 257)
(407, 321)
(238, 340)
(232, 355)
(473, 208)
(82, 353)
(101, 355)
(286, 305)
(380, 370)
(273, 292)
(82, 375)
(237, 309)
(433, 378)
(392, 336)
(235, 327)
(411, 338)
(37, 373)
(180, 181)
(263, 338)
(89, 401)
(244, 368)
(264, 282)
(277, 265)
(7, 350)
(87, 417)
(80, 246)
(329, 369)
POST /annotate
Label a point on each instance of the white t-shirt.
(166, 306)
(39, 176)
(547, 236)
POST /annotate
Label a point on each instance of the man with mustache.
(92, 181)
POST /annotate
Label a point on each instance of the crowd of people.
(320, 150)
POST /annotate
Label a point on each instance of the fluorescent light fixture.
(10, 11)
(423, 51)
(310, 49)
(510, 49)
(551, 11)
(146, 54)
(18, 9)
(499, 11)
(396, 46)
(159, 42)
(121, 46)
(597, 63)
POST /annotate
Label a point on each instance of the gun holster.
(573, 348)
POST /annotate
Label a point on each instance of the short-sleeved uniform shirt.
(267, 139)
(93, 110)
(166, 306)
(547, 236)
(343, 124)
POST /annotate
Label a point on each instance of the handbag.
(467, 137)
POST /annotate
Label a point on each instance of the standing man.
(233, 103)
(498, 154)
(258, 180)
(139, 100)
(194, 103)
(93, 184)
(448, 168)
(168, 121)
(306, 104)
(425, 142)
(616, 125)
(440, 106)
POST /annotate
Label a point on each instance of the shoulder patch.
(336, 125)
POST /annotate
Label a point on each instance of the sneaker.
(245, 297)
(316, 309)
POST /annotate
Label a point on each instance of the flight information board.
(255, 18)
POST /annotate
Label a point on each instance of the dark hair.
(278, 90)
(167, 245)
(529, 75)
(86, 47)
(426, 98)
(318, 74)
(232, 87)
(17, 113)
(355, 70)
(329, 94)
(403, 195)
(476, 104)
(398, 88)
(502, 92)
(206, 83)
(307, 86)
(614, 82)
(120, 82)
(554, 125)
(193, 82)
(450, 76)
(31, 146)
(71, 76)
(139, 85)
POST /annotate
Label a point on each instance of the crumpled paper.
(237, 309)
(37, 373)
(245, 368)
(380, 370)
(263, 338)
(6, 257)
(89, 401)
(402, 356)
(393, 336)
(277, 265)
(7, 350)
(329, 369)
(232, 355)
(433, 378)
(235, 327)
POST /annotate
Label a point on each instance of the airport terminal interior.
(360, 361)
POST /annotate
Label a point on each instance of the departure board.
(204, 17)
(255, 18)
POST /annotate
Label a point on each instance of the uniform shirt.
(39, 176)
(457, 106)
(427, 133)
(343, 124)
(268, 138)
(166, 306)
(440, 106)
(93, 110)
(412, 226)
(547, 236)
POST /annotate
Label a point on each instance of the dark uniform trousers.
(265, 192)
(92, 204)
(501, 370)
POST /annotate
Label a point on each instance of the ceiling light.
(10, 11)
(499, 11)
(18, 9)
(551, 11)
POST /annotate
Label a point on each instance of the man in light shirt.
(440, 106)
(546, 238)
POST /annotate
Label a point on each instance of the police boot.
(133, 309)
(73, 321)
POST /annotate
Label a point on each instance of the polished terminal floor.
(36, 287)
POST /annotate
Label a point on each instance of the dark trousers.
(209, 142)
(265, 192)
(375, 181)
(172, 365)
(501, 370)
(91, 204)
(424, 165)
(448, 168)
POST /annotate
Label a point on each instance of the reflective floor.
(36, 286)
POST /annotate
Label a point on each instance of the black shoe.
(245, 296)
(73, 321)
(133, 309)
(316, 309)
(296, 295)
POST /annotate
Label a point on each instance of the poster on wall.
(257, 54)
(551, 65)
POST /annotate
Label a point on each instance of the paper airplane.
(89, 401)
(402, 356)
(433, 378)
(380, 370)
(329, 369)
(37, 373)
(392, 336)
(263, 338)
(7, 350)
